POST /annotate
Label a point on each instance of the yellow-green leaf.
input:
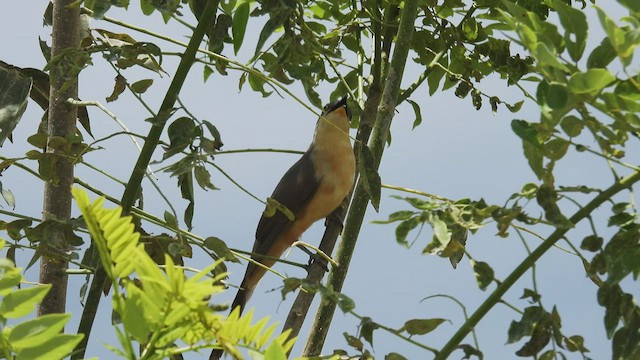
(593, 80)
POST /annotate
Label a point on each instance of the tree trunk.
(61, 123)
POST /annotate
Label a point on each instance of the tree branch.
(384, 115)
(134, 184)
(529, 261)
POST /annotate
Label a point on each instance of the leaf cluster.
(159, 308)
(29, 339)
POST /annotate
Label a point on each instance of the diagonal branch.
(135, 181)
(529, 261)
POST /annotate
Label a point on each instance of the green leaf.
(621, 40)
(547, 199)
(14, 96)
(275, 352)
(421, 326)
(15, 227)
(32, 333)
(403, 229)
(203, 178)
(470, 29)
(530, 144)
(170, 220)
(571, 125)
(273, 205)
(519, 329)
(557, 95)
(575, 343)
(532, 295)
(98, 7)
(394, 356)
(217, 139)
(118, 88)
(575, 23)
(22, 301)
(188, 215)
(548, 355)
(515, 107)
(55, 348)
(592, 243)
(626, 341)
(239, 24)
(269, 28)
(484, 274)
(555, 149)
(182, 132)
(417, 112)
(546, 57)
(290, 285)
(207, 72)
(353, 341)
(10, 279)
(602, 55)
(396, 216)
(617, 103)
(112, 233)
(440, 230)
(436, 75)
(257, 84)
(140, 86)
(370, 176)
(593, 80)
(631, 5)
(470, 351)
(220, 248)
(367, 327)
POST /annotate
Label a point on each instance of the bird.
(311, 189)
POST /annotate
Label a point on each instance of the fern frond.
(114, 235)
(164, 307)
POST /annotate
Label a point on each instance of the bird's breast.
(334, 166)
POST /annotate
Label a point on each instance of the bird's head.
(338, 113)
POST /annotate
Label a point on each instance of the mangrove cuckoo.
(311, 189)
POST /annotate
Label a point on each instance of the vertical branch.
(386, 108)
(316, 270)
(334, 227)
(135, 181)
(61, 123)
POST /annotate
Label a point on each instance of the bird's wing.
(295, 190)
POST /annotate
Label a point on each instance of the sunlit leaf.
(33, 332)
(22, 301)
(421, 326)
(593, 80)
